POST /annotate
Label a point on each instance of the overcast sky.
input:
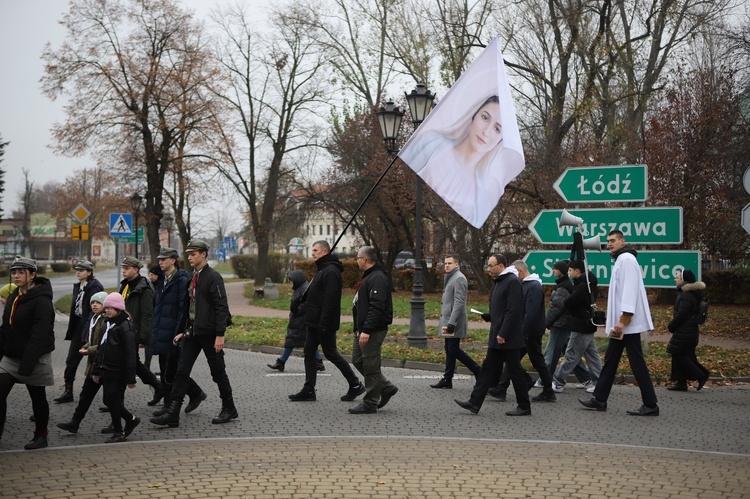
(26, 115)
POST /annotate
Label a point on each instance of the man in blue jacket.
(505, 340)
(372, 312)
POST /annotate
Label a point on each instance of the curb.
(428, 366)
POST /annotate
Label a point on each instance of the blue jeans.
(556, 346)
(288, 351)
(579, 344)
(453, 352)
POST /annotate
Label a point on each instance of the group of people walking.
(181, 314)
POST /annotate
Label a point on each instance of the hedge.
(278, 266)
(60, 267)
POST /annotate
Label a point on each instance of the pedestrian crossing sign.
(120, 224)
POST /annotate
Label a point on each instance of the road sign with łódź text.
(657, 267)
(603, 184)
(653, 225)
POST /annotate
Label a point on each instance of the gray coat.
(453, 304)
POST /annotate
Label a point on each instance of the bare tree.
(133, 71)
(276, 87)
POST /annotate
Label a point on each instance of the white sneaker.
(557, 388)
(585, 384)
(591, 389)
(538, 384)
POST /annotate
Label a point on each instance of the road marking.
(269, 375)
(438, 376)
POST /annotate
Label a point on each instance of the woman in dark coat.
(27, 339)
(685, 334)
(296, 330)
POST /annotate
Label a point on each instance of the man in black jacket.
(373, 312)
(505, 340)
(80, 313)
(323, 318)
(206, 319)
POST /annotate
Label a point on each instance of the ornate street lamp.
(135, 203)
(389, 118)
(420, 103)
(169, 220)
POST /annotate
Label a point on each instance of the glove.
(486, 317)
(451, 328)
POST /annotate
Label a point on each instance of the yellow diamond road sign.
(80, 213)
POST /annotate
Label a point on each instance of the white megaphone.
(568, 219)
(592, 243)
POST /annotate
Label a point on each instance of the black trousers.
(114, 394)
(86, 398)
(632, 344)
(686, 367)
(73, 359)
(492, 367)
(191, 349)
(168, 364)
(536, 357)
(327, 342)
(39, 403)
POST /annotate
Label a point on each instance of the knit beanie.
(562, 266)
(98, 297)
(114, 300)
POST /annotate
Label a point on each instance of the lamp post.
(135, 203)
(169, 220)
(420, 103)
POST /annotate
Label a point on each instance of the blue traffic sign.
(120, 224)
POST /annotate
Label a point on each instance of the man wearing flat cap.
(138, 294)
(80, 313)
(206, 317)
(170, 295)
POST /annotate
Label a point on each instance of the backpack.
(702, 314)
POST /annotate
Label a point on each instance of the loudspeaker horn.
(568, 219)
(592, 244)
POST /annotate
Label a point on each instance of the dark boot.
(167, 399)
(71, 426)
(171, 418)
(320, 365)
(278, 366)
(443, 383)
(228, 412)
(195, 402)
(38, 442)
(67, 394)
(158, 394)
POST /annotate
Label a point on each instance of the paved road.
(421, 444)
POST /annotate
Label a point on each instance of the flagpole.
(362, 204)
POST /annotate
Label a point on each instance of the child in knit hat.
(114, 366)
(93, 332)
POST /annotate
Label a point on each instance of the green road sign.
(131, 239)
(657, 267)
(655, 225)
(603, 184)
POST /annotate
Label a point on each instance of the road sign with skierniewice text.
(657, 267)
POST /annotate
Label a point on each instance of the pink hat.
(114, 300)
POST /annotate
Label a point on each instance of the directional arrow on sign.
(657, 267)
(603, 184)
(654, 225)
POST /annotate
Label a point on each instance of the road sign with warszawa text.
(603, 184)
(657, 267)
(653, 225)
